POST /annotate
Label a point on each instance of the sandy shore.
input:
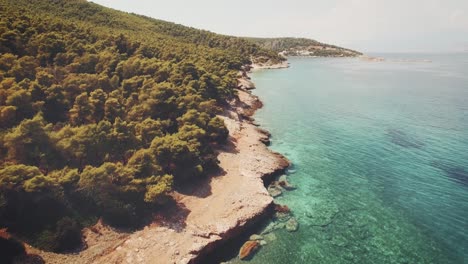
(216, 210)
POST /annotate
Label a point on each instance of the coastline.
(259, 66)
(219, 209)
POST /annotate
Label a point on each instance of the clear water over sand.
(380, 153)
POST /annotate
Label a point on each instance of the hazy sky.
(365, 25)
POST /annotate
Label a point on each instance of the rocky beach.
(218, 209)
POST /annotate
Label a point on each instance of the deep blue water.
(380, 154)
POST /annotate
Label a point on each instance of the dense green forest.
(297, 46)
(103, 113)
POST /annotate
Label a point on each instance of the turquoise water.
(380, 153)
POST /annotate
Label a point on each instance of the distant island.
(113, 127)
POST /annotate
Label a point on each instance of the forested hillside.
(103, 113)
(303, 47)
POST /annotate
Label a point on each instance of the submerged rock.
(245, 83)
(282, 208)
(282, 217)
(400, 138)
(272, 227)
(248, 249)
(270, 237)
(255, 237)
(274, 190)
(456, 173)
(283, 182)
(282, 212)
(285, 185)
(280, 225)
(292, 225)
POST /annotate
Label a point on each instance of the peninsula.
(125, 139)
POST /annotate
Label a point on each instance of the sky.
(364, 25)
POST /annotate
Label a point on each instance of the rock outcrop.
(245, 83)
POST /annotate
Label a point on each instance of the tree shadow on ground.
(172, 215)
(200, 187)
(230, 146)
(29, 259)
(14, 251)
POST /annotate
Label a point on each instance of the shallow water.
(380, 153)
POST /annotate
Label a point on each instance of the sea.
(380, 158)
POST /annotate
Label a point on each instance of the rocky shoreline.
(281, 65)
(245, 108)
(219, 209)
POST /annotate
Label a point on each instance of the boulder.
(248, 249)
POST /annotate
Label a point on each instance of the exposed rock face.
(245, 83)
(265, 139)
(217, 210)
(248, 249)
